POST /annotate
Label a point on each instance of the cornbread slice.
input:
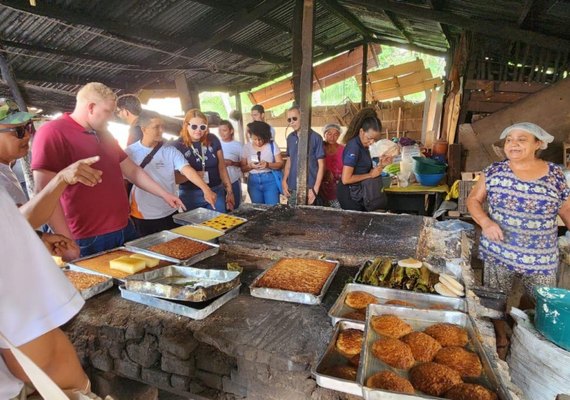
(127, 264)
(150, 262)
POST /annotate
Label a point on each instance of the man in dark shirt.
(128, 109)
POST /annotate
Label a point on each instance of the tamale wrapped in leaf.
(397, 277)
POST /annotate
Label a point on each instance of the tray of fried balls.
(412, 353)
(338, 366)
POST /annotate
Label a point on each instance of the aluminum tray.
(141, 246)
(190, 310)
(287, 295)
(85, 264)
(419, 320)
(199, 215)
(167, 283)
(420, 300)
(95, 289)
(332, 357)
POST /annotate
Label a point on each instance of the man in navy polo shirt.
(316, 162)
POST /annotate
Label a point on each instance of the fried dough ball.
(393, 352)
(424, 347)
(448, 334)
(388, 380)
(349, 342)
(390, 325)
(463, 361)
(434, 379)
(470, 391)
(354, 360)
(359, 299)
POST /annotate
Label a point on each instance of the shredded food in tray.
(223, 222)
(297, 275)
(180, 248)
(83, 281)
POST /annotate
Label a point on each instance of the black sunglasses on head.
(194, 127)
(292, 119)
(21, 130)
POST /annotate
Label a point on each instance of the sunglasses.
(291, 119)
(195, 127)
(21, 131)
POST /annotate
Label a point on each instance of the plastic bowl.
(429, 179)
(552, 316)
(423, 165)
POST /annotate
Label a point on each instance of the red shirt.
(89, 211)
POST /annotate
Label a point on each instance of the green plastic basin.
(552, 317)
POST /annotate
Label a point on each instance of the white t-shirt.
(232, 151)
(249, 154)
(36, 297)
(145, 205)
(9, 181)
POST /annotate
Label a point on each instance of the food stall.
(265, 341)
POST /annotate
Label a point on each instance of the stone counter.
(250, 347)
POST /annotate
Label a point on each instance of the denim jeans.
(236, 188)
(263, 189)
(107, 241)
(193, 199)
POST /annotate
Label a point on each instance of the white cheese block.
(127, 264)
(444, 290)
(451, 282)
(149, 261)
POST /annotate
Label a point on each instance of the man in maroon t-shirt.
(96, 217)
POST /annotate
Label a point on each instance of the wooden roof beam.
(348, 18)
(399, 26)
(480, 25)
(440, 5)
(131, 34)
(62, 79)
(532, 8)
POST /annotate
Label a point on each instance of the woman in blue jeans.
(260, 158)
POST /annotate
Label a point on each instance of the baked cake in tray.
(297, 275)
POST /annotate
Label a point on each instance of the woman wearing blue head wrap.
(524, 194)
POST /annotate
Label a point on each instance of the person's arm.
(475, 206)
(564, 213)
(40, 207)
(230, 201)
(192, 176)
(55, 355)
(57, 219)
(140, 178)
(286, 171)
(348, 177)
(278, 164)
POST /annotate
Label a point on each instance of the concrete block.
(232, 387)
(101, 360)
(127, 368)
(210, 359)
(144, 353)
(181, 346)
(170, 363)
(156, 378)
(134, 332)
(209, 379)
(196, 387)
(113, 333)
(180, 382)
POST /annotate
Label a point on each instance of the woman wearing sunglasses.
(203, 151)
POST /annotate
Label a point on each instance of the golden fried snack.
(297, 275)
(400, 303)
(388, 380)
(424, 347)
(448, 334)
(463, 361)
(434, 379)
(359, 299)
(354, 360)
(83, 281)
(390, 325)
(357, 315)
(393, 352)
(349, 342)
(470, 391)
(347, 372)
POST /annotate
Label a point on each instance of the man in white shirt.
(149, 212)
(232, 153)
(36, 299)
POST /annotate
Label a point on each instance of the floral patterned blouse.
(526, 211)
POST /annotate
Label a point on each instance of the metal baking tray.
(420, 300)
(332, 357)
(95, 289)
(288, 295)
(186, 309)
(199, 215)
(419, 320)
(184, 283)
(141, 246)
(103, 267)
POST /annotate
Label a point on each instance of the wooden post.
(305, 97)
(240, 120)
(189, 98)
(364, 75)
(454, 152)
(8, 76)
(297, 55)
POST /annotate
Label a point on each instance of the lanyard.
(202, 156)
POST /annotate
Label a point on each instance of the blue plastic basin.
(429, 179)
(552, 317)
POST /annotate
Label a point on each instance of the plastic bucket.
(552, 316)
(423, 165)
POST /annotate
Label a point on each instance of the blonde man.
(96, 217)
